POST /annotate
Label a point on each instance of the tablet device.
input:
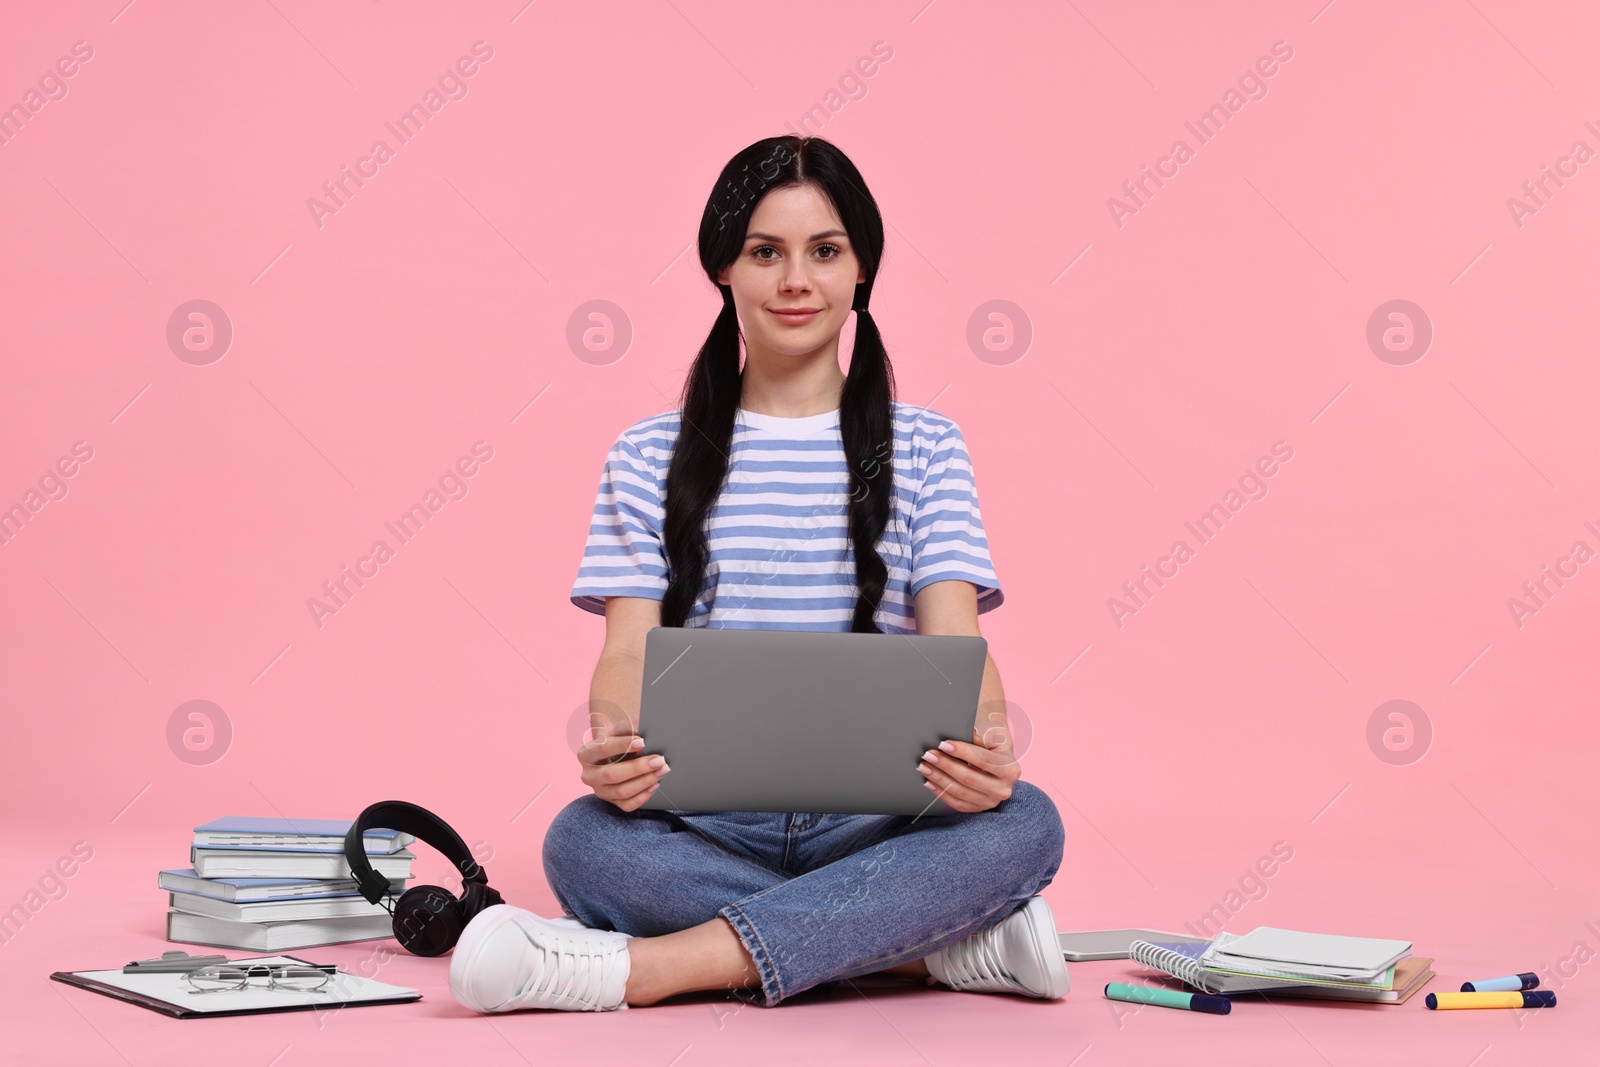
(804, 720)
(1077, 945)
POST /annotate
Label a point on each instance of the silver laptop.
(785, 720)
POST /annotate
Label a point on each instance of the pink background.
(1167, 354)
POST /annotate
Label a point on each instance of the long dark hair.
(711, 391)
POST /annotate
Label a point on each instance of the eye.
(834, 250)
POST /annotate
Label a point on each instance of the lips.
(795, 316)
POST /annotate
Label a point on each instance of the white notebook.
(1269, 950)
(1184, 961)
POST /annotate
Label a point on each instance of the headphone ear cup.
(427, 920)
(471, 901)
(475, 898)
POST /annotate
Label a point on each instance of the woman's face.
(796, 255)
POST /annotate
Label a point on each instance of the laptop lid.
(814, 721)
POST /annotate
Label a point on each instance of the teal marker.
(1168, 998)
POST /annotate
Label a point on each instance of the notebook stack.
(1293, 963)
(276, 884)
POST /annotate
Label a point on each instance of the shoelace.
(975, 960)
(563, 976)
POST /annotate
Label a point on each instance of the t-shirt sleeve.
(624, 554)
(947, 538)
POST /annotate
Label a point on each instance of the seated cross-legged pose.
(783, 495)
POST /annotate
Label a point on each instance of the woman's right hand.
(617, 771)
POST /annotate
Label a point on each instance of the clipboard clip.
(174, 962)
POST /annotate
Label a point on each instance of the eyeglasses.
(292, 977)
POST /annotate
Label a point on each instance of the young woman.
(784, 495)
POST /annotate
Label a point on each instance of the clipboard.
(168, 992)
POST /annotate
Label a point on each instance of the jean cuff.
(771, 987)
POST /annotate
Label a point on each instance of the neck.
(791, 388)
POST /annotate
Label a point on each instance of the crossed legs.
(706, 917)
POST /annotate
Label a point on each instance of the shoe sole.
(1041, 925)
(466, 951)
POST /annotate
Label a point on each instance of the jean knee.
(570, 844)
(1039, 831)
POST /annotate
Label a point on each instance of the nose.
(795, 278)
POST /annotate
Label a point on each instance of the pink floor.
(112, 913)
(1381, 272)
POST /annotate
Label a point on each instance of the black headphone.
(428, 919)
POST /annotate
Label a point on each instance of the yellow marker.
(1529, 998)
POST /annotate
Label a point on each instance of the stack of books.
(276, 884)
(1293, 963)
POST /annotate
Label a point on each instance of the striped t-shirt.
(780, 553)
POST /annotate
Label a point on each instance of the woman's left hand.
(976, 776)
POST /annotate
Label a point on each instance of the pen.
(174, 962)
(1168, 998)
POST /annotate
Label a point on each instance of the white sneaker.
(509, 958)
(1019, 954)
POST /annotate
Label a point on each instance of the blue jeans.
(816, 898)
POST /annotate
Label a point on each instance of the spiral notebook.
(1182, 961)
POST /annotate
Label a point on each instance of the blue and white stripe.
(780, 553)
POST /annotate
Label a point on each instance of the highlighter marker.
(1168, 998)
(1533, 998)
(1525, 980)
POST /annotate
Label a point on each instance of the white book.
(256, 889)
(267, 911)
(274, 936)
(242, 863)
(294, 835)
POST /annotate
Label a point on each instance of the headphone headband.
(419, 823)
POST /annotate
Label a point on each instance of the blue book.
(293, 835)
(251, 890)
